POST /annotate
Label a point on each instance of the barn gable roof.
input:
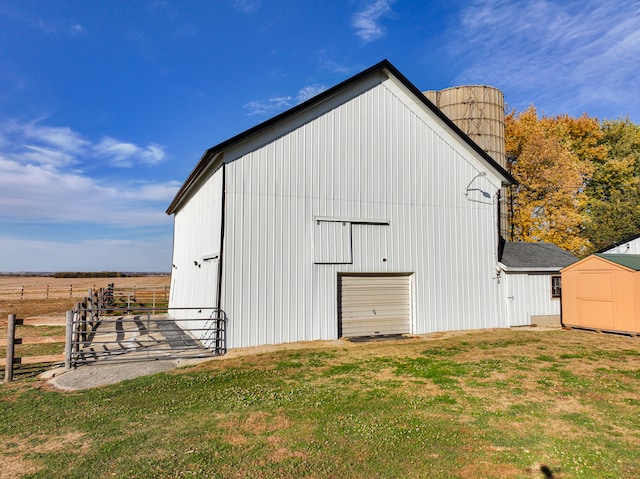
(385, 67)
(520, 256)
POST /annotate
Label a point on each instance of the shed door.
(374, 305)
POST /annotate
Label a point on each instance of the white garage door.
(374, 305)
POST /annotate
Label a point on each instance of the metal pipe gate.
(143, 334)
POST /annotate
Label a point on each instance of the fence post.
(11, 337)
(68, 346)
(101, 298)
(90, 306)
(82, 317)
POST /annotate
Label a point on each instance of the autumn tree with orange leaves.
(579, 180)
(553, 159)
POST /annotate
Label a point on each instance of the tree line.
(578, 180)
(89, 274)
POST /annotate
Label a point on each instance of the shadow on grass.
(28, 371)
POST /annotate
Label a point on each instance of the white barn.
(627, 246)
(530, 282)
(363, 211)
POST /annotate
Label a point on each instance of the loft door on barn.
(374, 305)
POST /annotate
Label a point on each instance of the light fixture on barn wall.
(485, 194)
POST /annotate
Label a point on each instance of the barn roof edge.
(382, 66)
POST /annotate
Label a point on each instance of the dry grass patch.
(15, 456)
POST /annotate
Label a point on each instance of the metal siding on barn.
(196, 250)
(627, 247)
(374, 305)
(373, 153)
(332, 242)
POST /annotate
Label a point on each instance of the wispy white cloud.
(44, 179)
(367, 21)
(335, 67)
(278, 104)
(309, 92)
(268, 106)
(576, 53)
(50, 147)
(56, 28)
(77, 29)
(55, 147)
(247, 6)
(34, 194)
(126, 155)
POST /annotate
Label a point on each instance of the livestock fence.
(126, 334)
(58, 290)
(30, 363)
(129, 319)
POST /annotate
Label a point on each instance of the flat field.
(45, 298)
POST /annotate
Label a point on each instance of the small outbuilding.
(530, 282)
(601, 292)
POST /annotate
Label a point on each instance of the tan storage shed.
(602, 292)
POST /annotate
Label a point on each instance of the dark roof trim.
(208, 155)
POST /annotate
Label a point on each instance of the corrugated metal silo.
(478, 110)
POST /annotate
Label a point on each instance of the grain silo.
(478, 110)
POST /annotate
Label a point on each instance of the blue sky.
(106, 106)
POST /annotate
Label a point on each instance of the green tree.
(613, 190)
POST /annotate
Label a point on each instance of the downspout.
(502, 317)
(501, 239)
(221, 336)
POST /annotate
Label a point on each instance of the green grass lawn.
(488, 404)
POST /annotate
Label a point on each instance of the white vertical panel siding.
(529, 295)
(630, 247)
(197, 227)
(377, 155)
(332, 242)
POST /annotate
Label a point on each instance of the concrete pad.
(95, 375)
